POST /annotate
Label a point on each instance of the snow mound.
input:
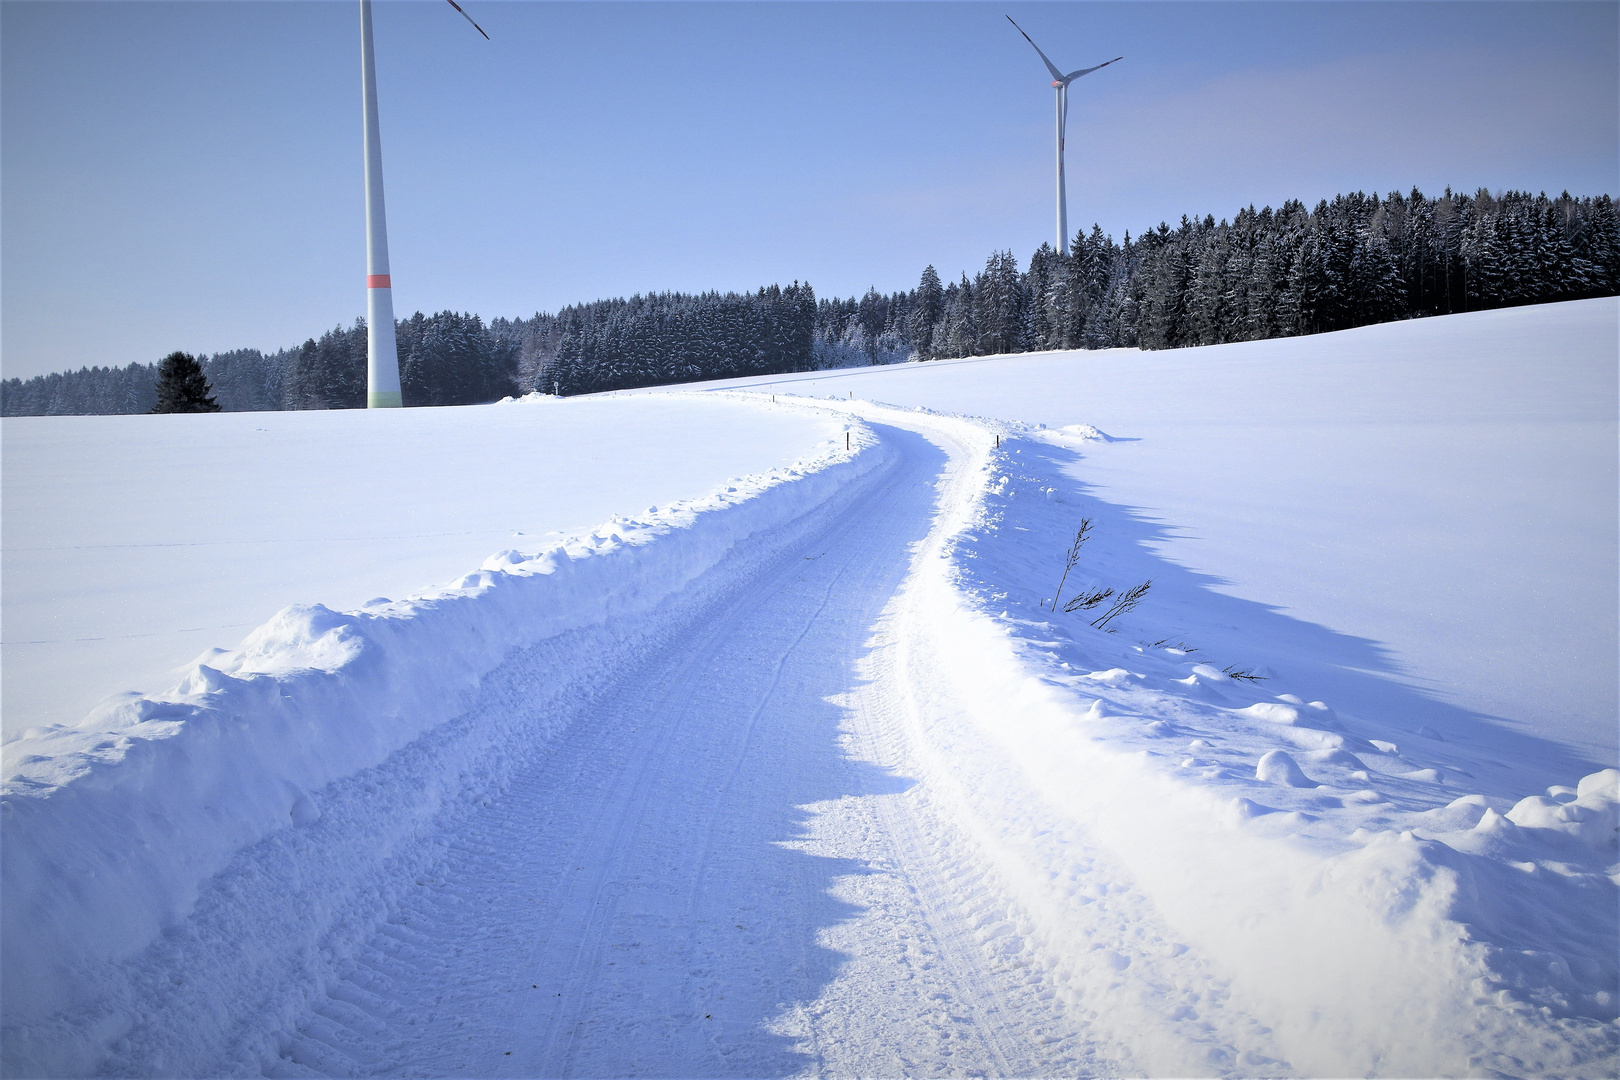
(1085, 433)
(1373, 912)
(1276, 767)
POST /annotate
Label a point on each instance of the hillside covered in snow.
(802, 727)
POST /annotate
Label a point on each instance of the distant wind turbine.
(1061, 83)
(382, 354)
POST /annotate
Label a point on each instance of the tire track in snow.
(973, 1008)
(699, 878)
(1038, 889)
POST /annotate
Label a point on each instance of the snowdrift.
(110, 826)
(1356, 887)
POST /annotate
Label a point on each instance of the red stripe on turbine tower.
(378, 281)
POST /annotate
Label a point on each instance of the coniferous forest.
(1356, 260)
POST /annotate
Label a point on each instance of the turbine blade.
(468, 17)
(1056, 74)
(1071, 76)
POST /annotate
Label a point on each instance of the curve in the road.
(706, 875)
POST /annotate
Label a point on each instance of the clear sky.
(188, 175)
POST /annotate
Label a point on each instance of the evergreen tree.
(1095, 262)
(1208, 305)
(329, 373)
(961, 332)
(452, 359)
(927, 310)
(182, 387)
(998, 297)
(1601, 247)
(1165, 272)
(1045, 289)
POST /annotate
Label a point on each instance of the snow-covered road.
(802, 777)
(716, 871)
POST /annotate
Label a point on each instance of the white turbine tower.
(382, 355)
(1061, 82)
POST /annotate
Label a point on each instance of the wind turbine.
(1061, 82)
(382, 354)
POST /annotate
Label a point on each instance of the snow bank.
(1376, 906)
(111, 825)
(133, 543)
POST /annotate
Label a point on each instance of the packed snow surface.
(838, 766)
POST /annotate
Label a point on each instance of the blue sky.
(188, 175)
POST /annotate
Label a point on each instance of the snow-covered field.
(132, 546)
(792, 767)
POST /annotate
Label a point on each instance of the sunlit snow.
(711, 735)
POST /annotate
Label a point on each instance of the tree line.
(446, 359)
(1356, 260)
(664, 338)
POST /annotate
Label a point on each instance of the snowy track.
(704, 877)
(821, 786)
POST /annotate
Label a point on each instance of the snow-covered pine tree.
(1601, 247)
(1041, 330)
(998, 296)
(927, 309)
(1208, 288)
(961, 331)
(1166, 269)
(1094, 262)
